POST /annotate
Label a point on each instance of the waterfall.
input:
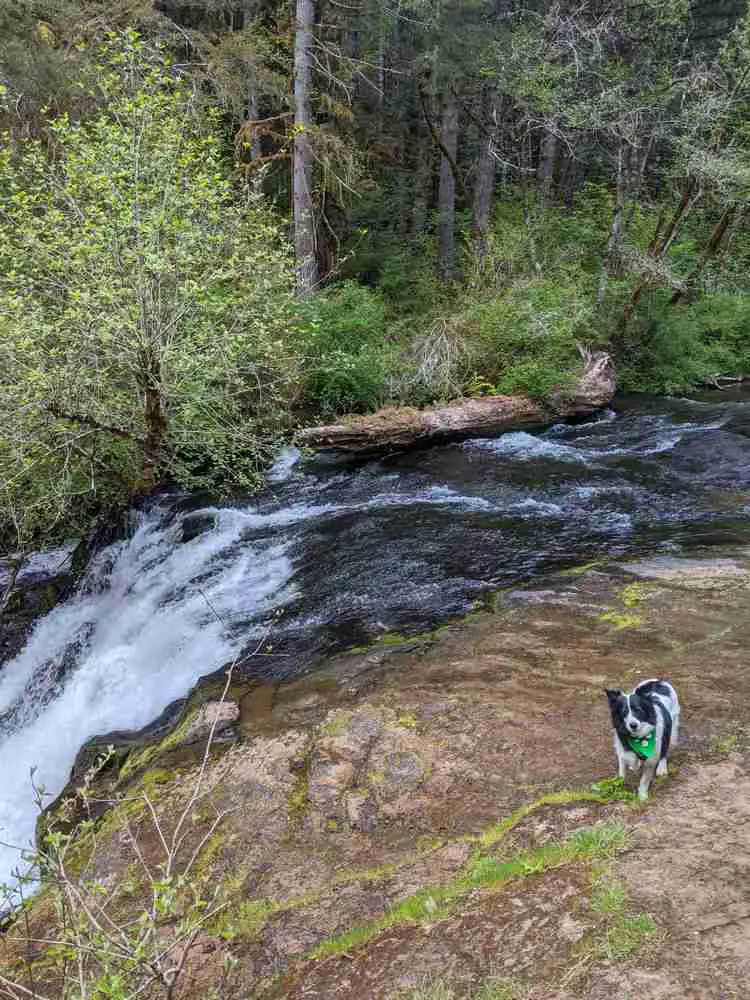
(153, 615)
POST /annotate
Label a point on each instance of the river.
(332, 555)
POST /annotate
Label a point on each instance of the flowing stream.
(331, 555)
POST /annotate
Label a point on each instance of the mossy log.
(399, 427)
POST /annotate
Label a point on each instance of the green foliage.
(146, 294)
(683, 343)
(143, 304)
(347, 359)
(552, 242)
(409, 282)
(526, 338)
(535, 378)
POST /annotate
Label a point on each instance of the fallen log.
(724, 381)
(401, 427)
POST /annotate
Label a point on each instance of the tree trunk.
(708, 251)
(422, 150)
(447, 190)
(570, 179)
(380, 73)
(403, 427)
(612, 252)
(545, 173)
(155, 451)
(248, 10)
(659, 247)
(484, 188)
(302, 171)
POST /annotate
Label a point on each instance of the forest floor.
(441, 810)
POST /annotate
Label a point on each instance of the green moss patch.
(482, 872)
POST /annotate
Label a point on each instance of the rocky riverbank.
(439, 806)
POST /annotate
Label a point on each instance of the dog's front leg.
(647, 777)
(621, 755)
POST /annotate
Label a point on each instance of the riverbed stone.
(194, 525)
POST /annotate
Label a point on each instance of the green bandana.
(643, 746)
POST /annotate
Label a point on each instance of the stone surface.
(676, 568)
(197, 524)
(219, 716)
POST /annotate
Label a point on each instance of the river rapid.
(331, 555)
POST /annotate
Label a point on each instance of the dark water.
(332, 555)
(412, 540)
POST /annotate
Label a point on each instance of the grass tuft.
(246, 921)
(603, 792)
(619, 620)
(621, 932)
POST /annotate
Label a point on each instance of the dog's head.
(632, 714)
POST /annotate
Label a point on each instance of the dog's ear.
(612, 696)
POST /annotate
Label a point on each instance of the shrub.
(535, 378)
(683, 343)
(409, 282)
(526, 338)
(348, 357)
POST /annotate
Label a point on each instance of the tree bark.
(397, 428)
(248, 10)
(447, 190)
(615, 232)
(302, 170)
(545, 173)
(484, 188)
(155, 452)
(422, 150)
(708, 251)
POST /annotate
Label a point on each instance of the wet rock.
(328, 781)
(48, 577)
(350, 737)
(219, 716)
(197, 524)
(673, 568)
(42, 581)
(202, 960)
(404, 770)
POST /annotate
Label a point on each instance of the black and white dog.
(646, 724)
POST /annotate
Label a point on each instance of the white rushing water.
(142, 631)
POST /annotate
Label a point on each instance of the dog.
(646, 726)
